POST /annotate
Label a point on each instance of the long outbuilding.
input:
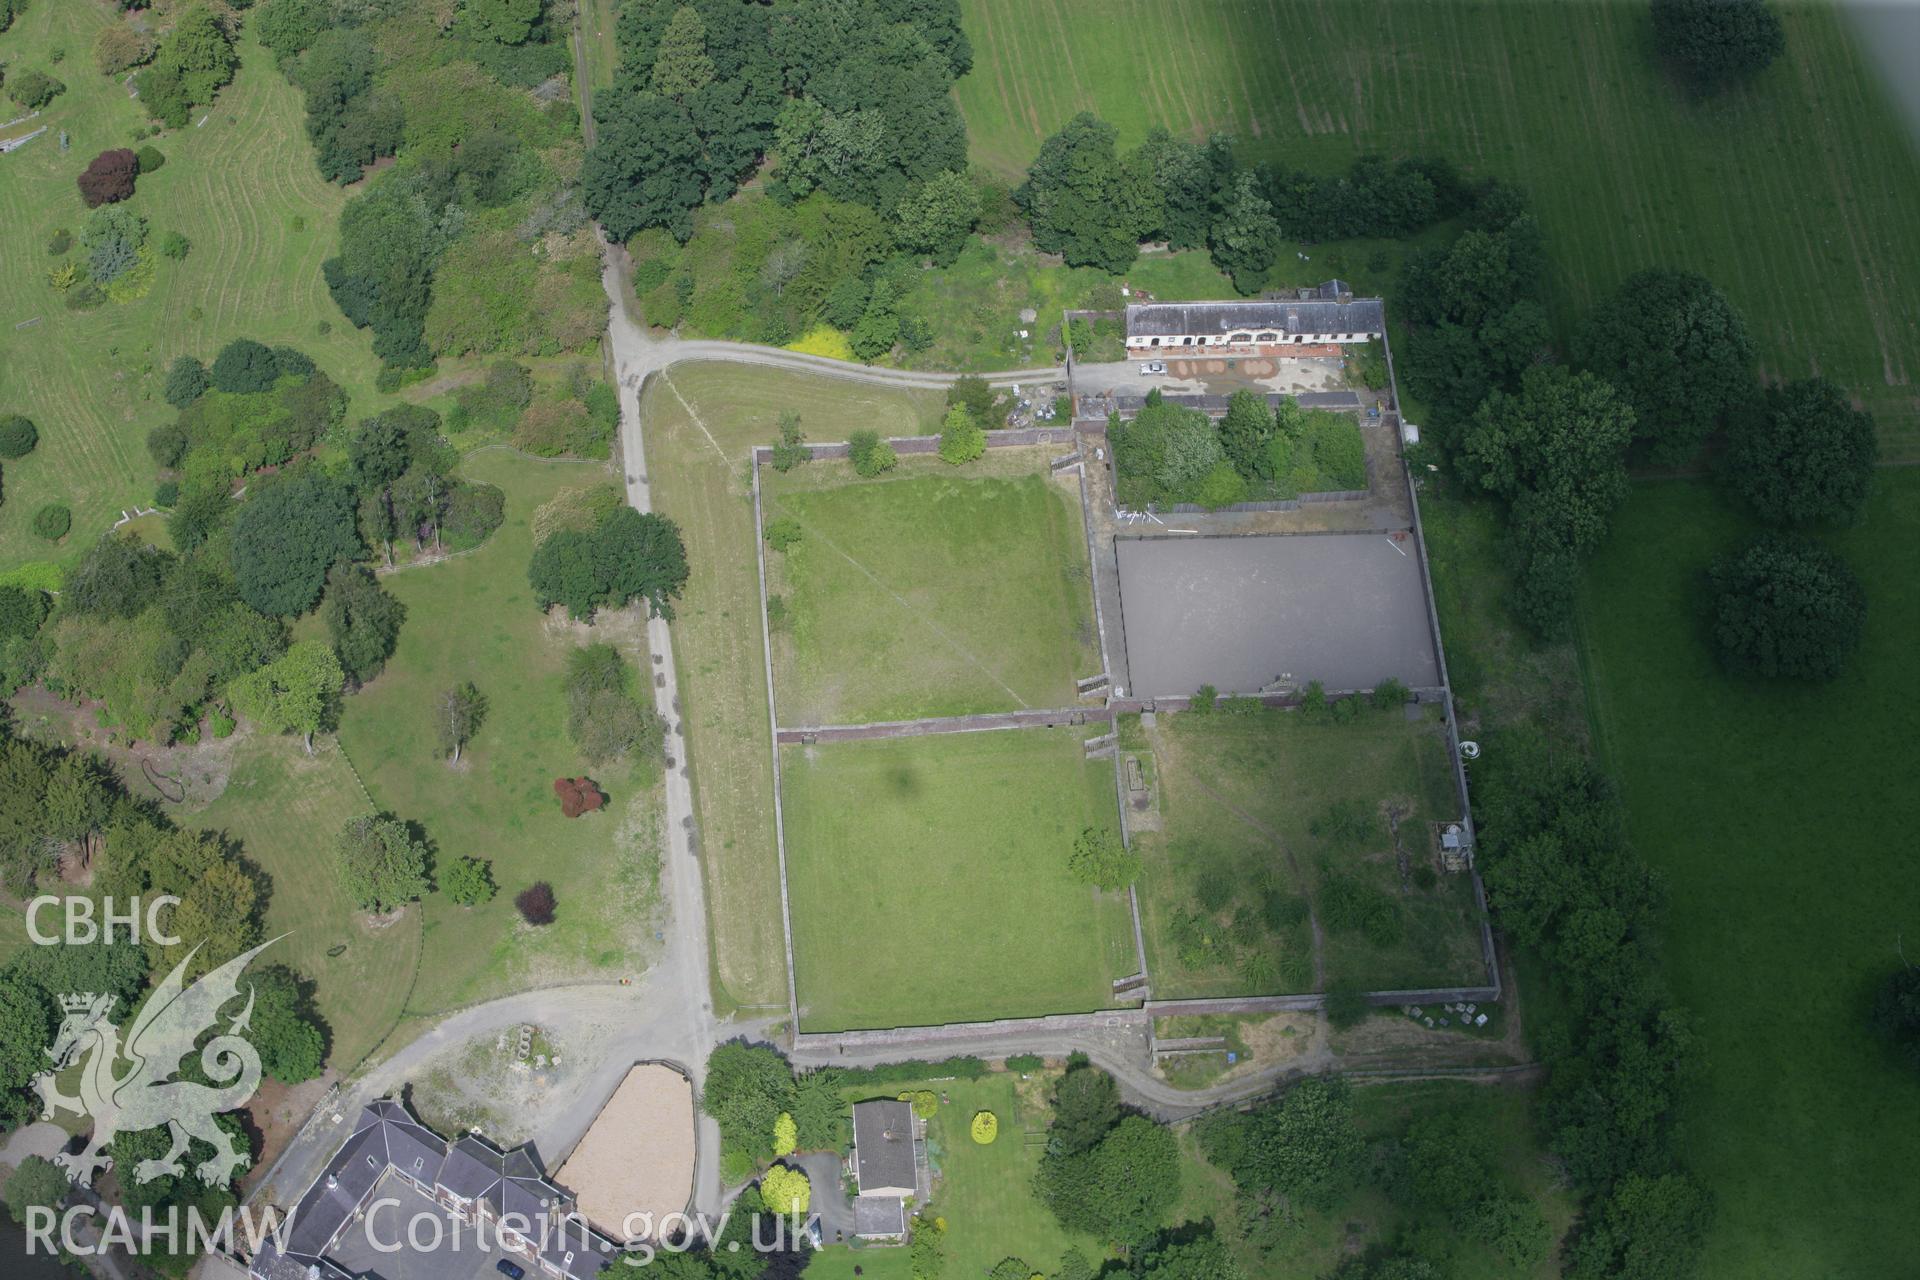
(1328, 314)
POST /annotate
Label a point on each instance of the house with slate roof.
(469, 1180)
(886, 1167)
(1314, 317)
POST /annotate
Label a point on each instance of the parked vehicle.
(511, 1270)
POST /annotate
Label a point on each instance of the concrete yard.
(1267, 613)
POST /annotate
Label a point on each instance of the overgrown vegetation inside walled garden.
(1171, 454)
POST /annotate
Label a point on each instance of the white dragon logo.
(144, 1096)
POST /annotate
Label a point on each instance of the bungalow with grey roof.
(886, 1167)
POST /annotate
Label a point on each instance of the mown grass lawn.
(244, 190)
(284, 808)
(701, 421)
(928, 879)
(1238, 799)
(1782, 820)
(472, 617)
(846, 1263)
(935, 590)
(1794, 194)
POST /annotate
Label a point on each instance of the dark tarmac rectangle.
(1247, 613)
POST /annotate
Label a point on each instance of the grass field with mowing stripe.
(928, 879)
(1782, 820)
(933, 591)
(701, 421)
(234, 186)
(472, 617)
(1794, 194)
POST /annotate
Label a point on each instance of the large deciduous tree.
(644, 169)
(1678, 351)
(935, 216)
(1786, 607)
(381, 863)
(631, 555)
(244, 365)
(1556, 452)
(1714, 43)
(1245, 236)
(362, 620)
(285, 538)
(1122, 1188)
(1081, 201)
(1802, 455)
(294, 693)
(285, 1029)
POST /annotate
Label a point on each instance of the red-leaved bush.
(109, 177)
(536, 903)
(578, 795)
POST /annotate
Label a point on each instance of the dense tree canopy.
(1678, 351)
(286, 1031)
(391, 238)
(644, 169)
(285, 538)
(1556, 453)
(1079, 200)
(192, 62)
(1716, 42)
(362, 620)
(294, 693)
(1786, 607)
(382, 864)
(1121, 1188)
(629, 556)
(748, 1087)
(1802, 455)
(244, 365)
(1305, 1146)
(1474, 304)
(1645, 1228)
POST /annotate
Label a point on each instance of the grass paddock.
(928, 879)
(1781, 817)
(1237, 801)
(940, 591)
